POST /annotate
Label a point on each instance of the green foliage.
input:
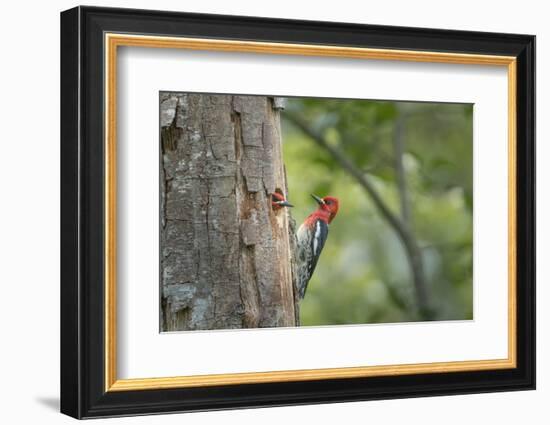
(363, 275)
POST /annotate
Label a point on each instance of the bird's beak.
(284, 204)
(319, 200)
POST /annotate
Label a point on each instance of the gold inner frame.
(113, 41)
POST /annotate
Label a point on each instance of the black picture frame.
(83, 392)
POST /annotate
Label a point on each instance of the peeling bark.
(225, 254)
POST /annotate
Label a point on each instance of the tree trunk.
(225, 253)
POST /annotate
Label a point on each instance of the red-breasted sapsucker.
(312, 236)
(278, 201)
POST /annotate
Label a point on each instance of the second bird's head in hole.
(278, 201)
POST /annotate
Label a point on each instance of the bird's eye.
(328, 202)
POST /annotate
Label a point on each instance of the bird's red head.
(278, 201)
(328, 204)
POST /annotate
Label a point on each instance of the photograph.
(301, 211)
(262, 211)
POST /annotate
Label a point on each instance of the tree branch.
(398, 146)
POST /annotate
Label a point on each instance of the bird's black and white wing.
(310, 245)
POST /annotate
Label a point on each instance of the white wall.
(29, 209)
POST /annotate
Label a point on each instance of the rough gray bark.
(225, 254)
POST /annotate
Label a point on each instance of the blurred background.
(400, 248)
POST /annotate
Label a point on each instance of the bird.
(311, 238)
(278, 201)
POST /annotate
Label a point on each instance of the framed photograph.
(261, 212)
